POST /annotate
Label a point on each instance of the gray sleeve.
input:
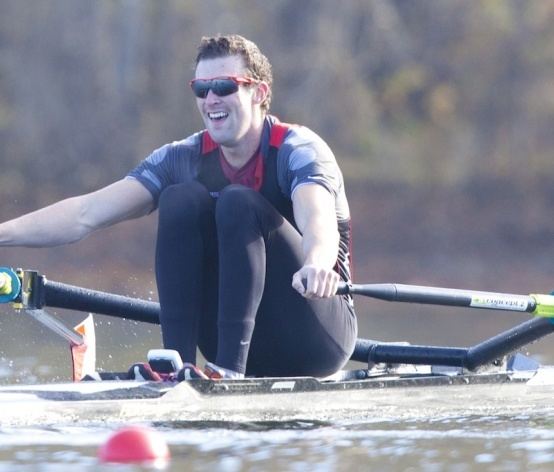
(305, 158)
(168, 165)
(154, 172)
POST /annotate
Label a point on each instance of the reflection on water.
(457, 444)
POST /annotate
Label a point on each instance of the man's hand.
(312, 281)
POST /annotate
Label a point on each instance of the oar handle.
(343, 288)
(544, 305)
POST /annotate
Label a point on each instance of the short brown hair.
(258, 66)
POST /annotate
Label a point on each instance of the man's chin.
(215, 132)
(219, 136)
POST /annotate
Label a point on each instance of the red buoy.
(134, 444)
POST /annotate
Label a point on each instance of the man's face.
(227, 118)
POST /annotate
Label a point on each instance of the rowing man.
(253, 232)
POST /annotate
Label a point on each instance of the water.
(452, 444)
(457, 443)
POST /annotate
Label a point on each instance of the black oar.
(56, 294)
(536, 304)
(59, 295)
(28, 289)
(35, 291)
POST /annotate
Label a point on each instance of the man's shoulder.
(188, 144)
(299, 135)
(187, 147)
(303, 144)
(293, 134)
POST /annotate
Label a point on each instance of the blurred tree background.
(441, 114)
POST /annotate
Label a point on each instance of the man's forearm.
(320, 246)
(54, 225)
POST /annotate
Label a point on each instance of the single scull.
(397, 380)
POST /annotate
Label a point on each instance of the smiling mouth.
(218, 115)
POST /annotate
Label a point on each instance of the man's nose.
(212, 97)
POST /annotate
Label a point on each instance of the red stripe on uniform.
(208, 144)
(278, 133)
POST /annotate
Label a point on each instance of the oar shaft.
(442, 296)
(61, 295)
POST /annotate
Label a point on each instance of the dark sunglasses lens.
(200, 88)
(221, 87)
(224, 87)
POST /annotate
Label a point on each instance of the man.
(253, 233)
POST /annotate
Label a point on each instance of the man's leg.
(186, 268)
(265, 326)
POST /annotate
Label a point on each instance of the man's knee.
(183, 192)
(237, 194)
(184, 200)
(236, 202)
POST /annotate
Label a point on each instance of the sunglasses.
(221, 86)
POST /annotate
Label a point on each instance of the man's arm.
(314, 212)
(72, 219)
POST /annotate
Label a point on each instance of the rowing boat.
(397, 380)
(393, 393)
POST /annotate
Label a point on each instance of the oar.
(28, 289)
(36, 291)
(541, 306)
(59, 295)
(536, 304)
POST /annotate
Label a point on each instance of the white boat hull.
(278, 400)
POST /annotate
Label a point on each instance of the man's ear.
(261, 92)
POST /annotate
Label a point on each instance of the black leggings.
(224, 270)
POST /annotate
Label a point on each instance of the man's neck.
(240, 154)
